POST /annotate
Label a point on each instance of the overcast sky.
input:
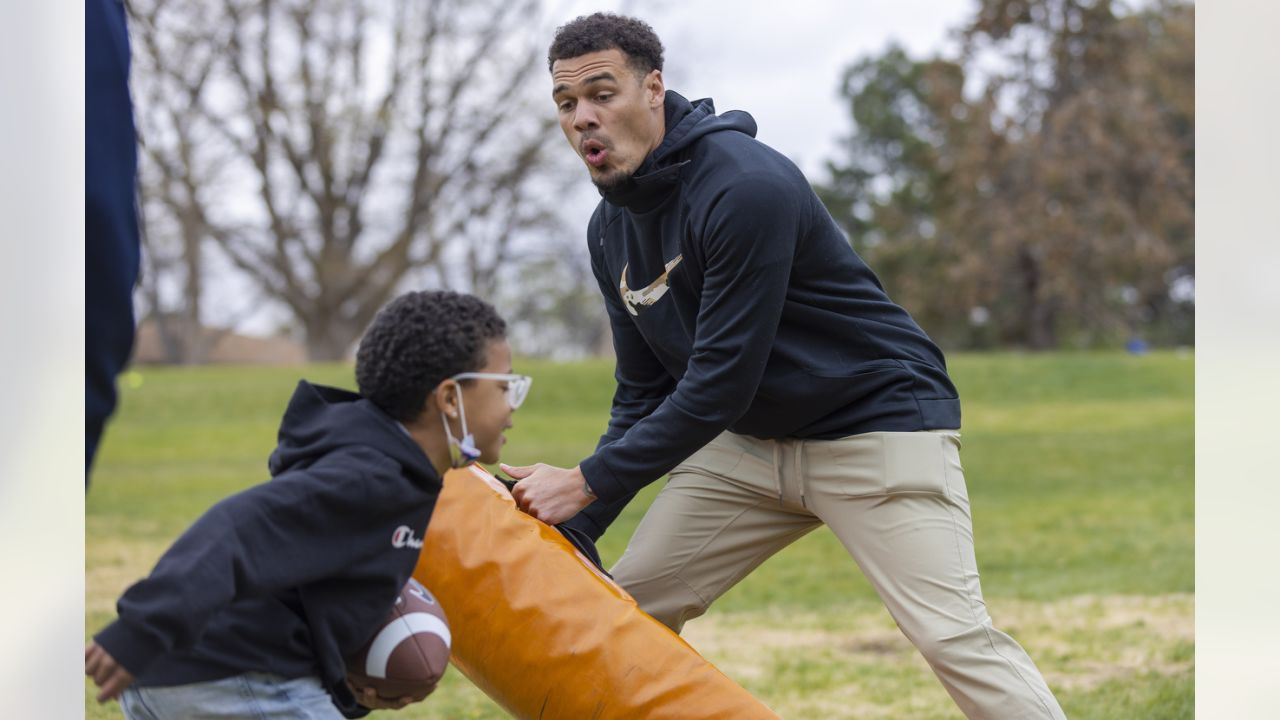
(781, 61)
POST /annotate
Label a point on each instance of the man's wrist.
(586, 486)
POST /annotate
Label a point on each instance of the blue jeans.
(258, 696)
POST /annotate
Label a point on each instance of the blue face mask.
(461, 452)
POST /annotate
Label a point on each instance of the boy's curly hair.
(418, 340)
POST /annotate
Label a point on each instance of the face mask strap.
(466, 450)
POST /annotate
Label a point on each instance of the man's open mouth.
(594, 152)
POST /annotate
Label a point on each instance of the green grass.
(1079, 469)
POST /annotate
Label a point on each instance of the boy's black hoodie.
(288, 576)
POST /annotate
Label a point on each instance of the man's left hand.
(549, 493)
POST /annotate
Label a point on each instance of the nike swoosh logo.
(651, 293)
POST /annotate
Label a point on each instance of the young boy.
(251, 611)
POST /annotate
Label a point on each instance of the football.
(410, 650)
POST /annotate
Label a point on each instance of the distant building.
(224, 348)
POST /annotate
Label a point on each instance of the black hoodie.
(766, 323)
(288, 576)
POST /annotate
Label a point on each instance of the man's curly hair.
(418, 340)
(607, 31)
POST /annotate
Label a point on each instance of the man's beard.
(613, 183)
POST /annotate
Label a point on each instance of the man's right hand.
(107, 674)
(549, 493)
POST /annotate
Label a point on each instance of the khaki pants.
(898, 504)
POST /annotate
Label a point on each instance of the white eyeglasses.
(517, 385)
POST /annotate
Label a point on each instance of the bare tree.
(334, 149)
(174, 56)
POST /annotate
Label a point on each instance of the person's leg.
(258, 696)
(280, 698)
(134, 706)
(209, 700)
(111, 240)
(717, 519)
(898, 503)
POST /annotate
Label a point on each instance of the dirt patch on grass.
(857, 660)
(1091, 639)
(748, 645)
(111, 566)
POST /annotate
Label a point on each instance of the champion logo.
(403, 537)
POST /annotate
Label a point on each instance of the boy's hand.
(369, 698)
(107, 674)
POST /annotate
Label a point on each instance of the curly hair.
(418, 340)
(607, 31)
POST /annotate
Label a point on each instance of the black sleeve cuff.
(601, 479)
(133, 649)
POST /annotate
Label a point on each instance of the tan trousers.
(896, 501)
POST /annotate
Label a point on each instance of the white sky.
(779, 61)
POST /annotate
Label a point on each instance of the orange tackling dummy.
(544, 634)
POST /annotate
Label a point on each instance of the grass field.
(1079, 469)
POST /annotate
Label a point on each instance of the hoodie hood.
(321, 419)
(685, 122)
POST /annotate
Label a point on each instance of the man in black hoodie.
(252, 610)
(762, 365)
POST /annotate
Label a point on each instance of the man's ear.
(656, 87)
